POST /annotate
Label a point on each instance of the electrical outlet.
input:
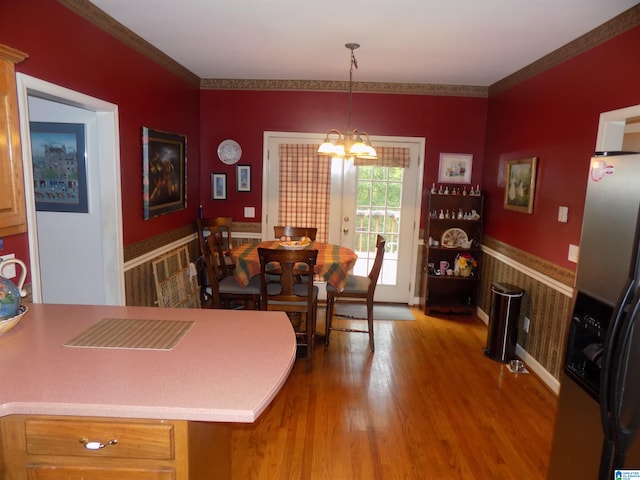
(10, 270)
(525, 325)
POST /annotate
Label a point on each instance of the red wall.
(66, 50)
(554, 116)
(449, 124)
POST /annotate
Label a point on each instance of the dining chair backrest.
(292, 264)
(212, 224)
(295, 233)
(374, 273)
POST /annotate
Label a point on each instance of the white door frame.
(108, 162)
(270, 205)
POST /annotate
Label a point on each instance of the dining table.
(334, 262)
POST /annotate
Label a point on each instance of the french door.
(364, 201)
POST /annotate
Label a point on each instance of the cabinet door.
(12, 207)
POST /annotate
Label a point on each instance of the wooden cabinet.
(12, 207)
(453, 228)
(91, 448)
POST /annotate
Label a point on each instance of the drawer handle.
(96, 445)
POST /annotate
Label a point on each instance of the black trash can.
(503, 321)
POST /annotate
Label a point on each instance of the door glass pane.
(378, 212)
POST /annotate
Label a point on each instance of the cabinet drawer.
(56, 472)
(133, 439)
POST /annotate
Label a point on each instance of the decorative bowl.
(8, 323)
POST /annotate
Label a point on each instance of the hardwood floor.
(428, 404)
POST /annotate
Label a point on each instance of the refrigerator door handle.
(608, 356)
(608, 445)
(623, 434)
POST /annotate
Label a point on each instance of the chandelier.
(350, 143)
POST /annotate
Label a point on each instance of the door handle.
(345, 230)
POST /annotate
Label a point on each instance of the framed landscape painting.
(58, 155)
(164, 172)
(520, 184)
(455, 168)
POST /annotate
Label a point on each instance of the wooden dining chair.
(222, 289)
(357, 289)
(295, 233)
(288, 295)
(209, 225)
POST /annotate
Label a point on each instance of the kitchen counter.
(227, 367)
(163, 411)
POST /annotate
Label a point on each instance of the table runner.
(132, 333)
(334, 262)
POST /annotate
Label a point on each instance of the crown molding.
(343, 86)
(100, 19)
(617, 25)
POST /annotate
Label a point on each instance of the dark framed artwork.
(218, 186)
(59, 156)
(164, 172)
(243, 178)
(520, 185)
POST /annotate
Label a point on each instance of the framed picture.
(520, 185)
(58, 155)
(243, 178)
(164, 172)
(218, 186)
(455, 168)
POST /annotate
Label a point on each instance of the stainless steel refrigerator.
(596, 431)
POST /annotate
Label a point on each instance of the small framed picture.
(520, 185)
(59, 167)
(455, 168)
(218, 186)
(243, 178)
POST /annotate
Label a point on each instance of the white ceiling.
(457, 42)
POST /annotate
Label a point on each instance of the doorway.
(363, 201)
(83, 249)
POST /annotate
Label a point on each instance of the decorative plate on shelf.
(229, 152)
(454, 238)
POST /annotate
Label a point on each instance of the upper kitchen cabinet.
(12, 204)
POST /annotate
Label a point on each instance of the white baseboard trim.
(532, 364)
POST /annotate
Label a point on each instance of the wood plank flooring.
(428, 404)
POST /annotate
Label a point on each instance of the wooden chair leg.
(310, 327)
(328, 319)
(370, 325)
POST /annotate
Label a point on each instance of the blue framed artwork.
(164, 172)
(58, 156)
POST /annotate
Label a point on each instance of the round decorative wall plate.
(229, 152)
(454, 238)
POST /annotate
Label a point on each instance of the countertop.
(227, 368)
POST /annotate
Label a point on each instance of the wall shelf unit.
(454, 227)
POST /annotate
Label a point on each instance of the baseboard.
(549, 380)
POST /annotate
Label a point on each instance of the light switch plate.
(574, 252)
(249, 212)
(563, 214)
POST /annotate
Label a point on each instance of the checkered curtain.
(387, 157)
(305, 183)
